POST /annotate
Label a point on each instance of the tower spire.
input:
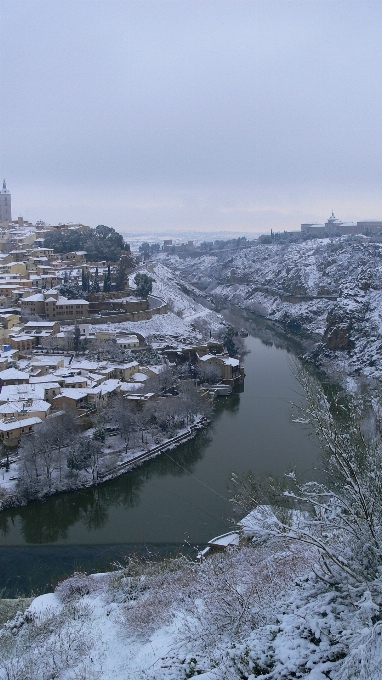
(5, 204)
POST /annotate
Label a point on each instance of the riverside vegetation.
(61, 455)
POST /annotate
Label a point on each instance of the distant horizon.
(164, 116)
(53, 207)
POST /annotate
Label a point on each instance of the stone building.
(5, 204)
(334, 227)
(54, 307)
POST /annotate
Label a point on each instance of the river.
(178, 499)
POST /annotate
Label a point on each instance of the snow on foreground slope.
(329, 288)
(254, 612)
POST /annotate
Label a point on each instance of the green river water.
(179, 500)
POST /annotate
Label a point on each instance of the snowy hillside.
(252, 613)
(186, 320)
(330, 289)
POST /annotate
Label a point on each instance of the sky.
(192, 114)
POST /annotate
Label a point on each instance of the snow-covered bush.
(340, 516)
(75, 587)
(42, 644)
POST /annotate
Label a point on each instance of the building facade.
(334, 227)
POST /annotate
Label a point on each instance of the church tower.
(5, 204)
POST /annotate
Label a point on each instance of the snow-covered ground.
(253, 612)
(187, 321)
(157, 622)
(114, 461)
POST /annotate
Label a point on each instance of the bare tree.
(58, 432)
(342, 516)
(121, 413)
(209, 373)
(84, 455)
(166, 378)
(191, 401)
(48, 342)
(41, 452)
(30, 471)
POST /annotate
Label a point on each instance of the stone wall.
(120, 318)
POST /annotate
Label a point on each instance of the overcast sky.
(193, 114)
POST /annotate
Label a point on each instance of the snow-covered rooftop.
(14, 423)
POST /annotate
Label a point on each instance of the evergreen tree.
(95, 288)
(101, 243)
(85, 281)
(125, 265)
(77, 338)
(145, 249)
(72, 291)
(144, 285)
(107, 281)
(229, 342)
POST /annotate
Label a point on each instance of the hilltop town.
(96, 336)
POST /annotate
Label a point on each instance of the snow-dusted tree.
(113, 351)
(203, 326)
(95, 285)
(209, 373)
(30, 470)
(144, 284)
(166, 413)
(166, 378)
(48, 342)
(41, 454)
(84, 455)
(76, 338)
(191, 401)
(340, 516)
(58, 432)
(122, 416)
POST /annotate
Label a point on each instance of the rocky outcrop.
(339, 338)
(337, 334)
(326, 290)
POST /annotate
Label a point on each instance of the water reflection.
(49, 521)
(177, 496)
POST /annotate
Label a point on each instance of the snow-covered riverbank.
(114, 462)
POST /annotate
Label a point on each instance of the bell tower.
(5, 204)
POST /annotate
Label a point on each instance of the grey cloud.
(239, 102)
